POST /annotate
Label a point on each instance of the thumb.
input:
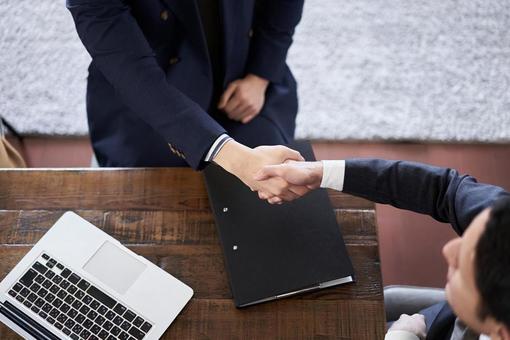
(267, 172)
(227, 94)
(292, 155)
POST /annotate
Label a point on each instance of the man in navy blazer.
(169, 77)
(478, 288)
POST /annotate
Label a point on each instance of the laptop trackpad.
(114, 267)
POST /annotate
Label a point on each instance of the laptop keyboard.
(75, 306)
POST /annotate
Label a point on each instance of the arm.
(121, 52)
(273, 28)
(441, 193)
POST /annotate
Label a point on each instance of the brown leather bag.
(9, 156)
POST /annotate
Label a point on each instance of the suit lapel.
(187, 13)
(442, 325)
(228, 10)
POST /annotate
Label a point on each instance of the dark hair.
(492, 264)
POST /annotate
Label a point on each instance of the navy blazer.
(441, 193)
(151, 75)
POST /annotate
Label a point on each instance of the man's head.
(478, 287)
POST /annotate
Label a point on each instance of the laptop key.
(69, 323)
(74, 278)
(101, 297)
(42, 292)
(57, 303)
(72, 289)
(39, 267)
(83, 284)
(45, 256)
(64, 284)
(129, 316)
(58, 325)
(66, 331)
(61, 294)
(103, 334)
(27, 304)
(95, 329)
(47, 308)
(79, 294)
(69, 299)
(72, 313)
(62, 318)
(117, 320)
(125, 325)
(51, 263)
(100, 320)
(20, 298)
(47, 284)
(146, 327)
(87, 324)
(54, 313)
(49, 274)
(119, 309)
(102, 310)
(12, 293)
(65, 273)
(57, 279)
(39, 302)
(110, 315)
(54, 289)
(92, 315)
(77, 304)
(108, 325)
(79, 318)
(50, 297)
(32, 297)
(60, 266)
(115, 330)
(17, 287)
(39, 279)
(85, 334)
(35, 287)
(94, 305)
(65, 308)
(42, 314)
(50, 320)
(77, 329)
(74, 337)
(25, 292)
(29, 277)
(136, 333)
(86, 299)
(84, 309)
(123, 336)
(111, 337)
(35, 309)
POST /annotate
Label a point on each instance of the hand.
(244, 163)
(244, 98)
(411, 323)
(307, 175)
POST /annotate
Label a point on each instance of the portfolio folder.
(275, 251)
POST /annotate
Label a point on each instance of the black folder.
(275, 251)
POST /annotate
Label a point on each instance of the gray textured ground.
(367, 69)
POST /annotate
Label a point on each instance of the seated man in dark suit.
(172, 80)
(478, 288)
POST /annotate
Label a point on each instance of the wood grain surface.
(164, 215)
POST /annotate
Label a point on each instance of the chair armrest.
(409, 299)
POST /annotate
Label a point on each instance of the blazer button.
(173, 61)
(164, 15)
(250, 33)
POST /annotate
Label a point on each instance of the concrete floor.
(410, 244)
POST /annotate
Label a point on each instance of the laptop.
(77, 282)
(276, 251)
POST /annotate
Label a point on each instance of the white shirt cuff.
(400, 335)
(216, 147)
(333, 173)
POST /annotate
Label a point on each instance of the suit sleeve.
(441, 193)
(273, 28)
(120, 51)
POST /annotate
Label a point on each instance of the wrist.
(263, 82)
(231, 155)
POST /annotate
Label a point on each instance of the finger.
(240, 111)
(249, 118)
(290, 154)
(233, 104)
(264, 195)
(275, 200)
(269, 171)
(299, 190)
(225, 97)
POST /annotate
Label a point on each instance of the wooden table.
(164, 215)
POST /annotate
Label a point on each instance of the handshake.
(277, 173)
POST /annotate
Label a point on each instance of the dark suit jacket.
(150, 73)
(441, 193)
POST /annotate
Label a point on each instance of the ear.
(501, 332)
